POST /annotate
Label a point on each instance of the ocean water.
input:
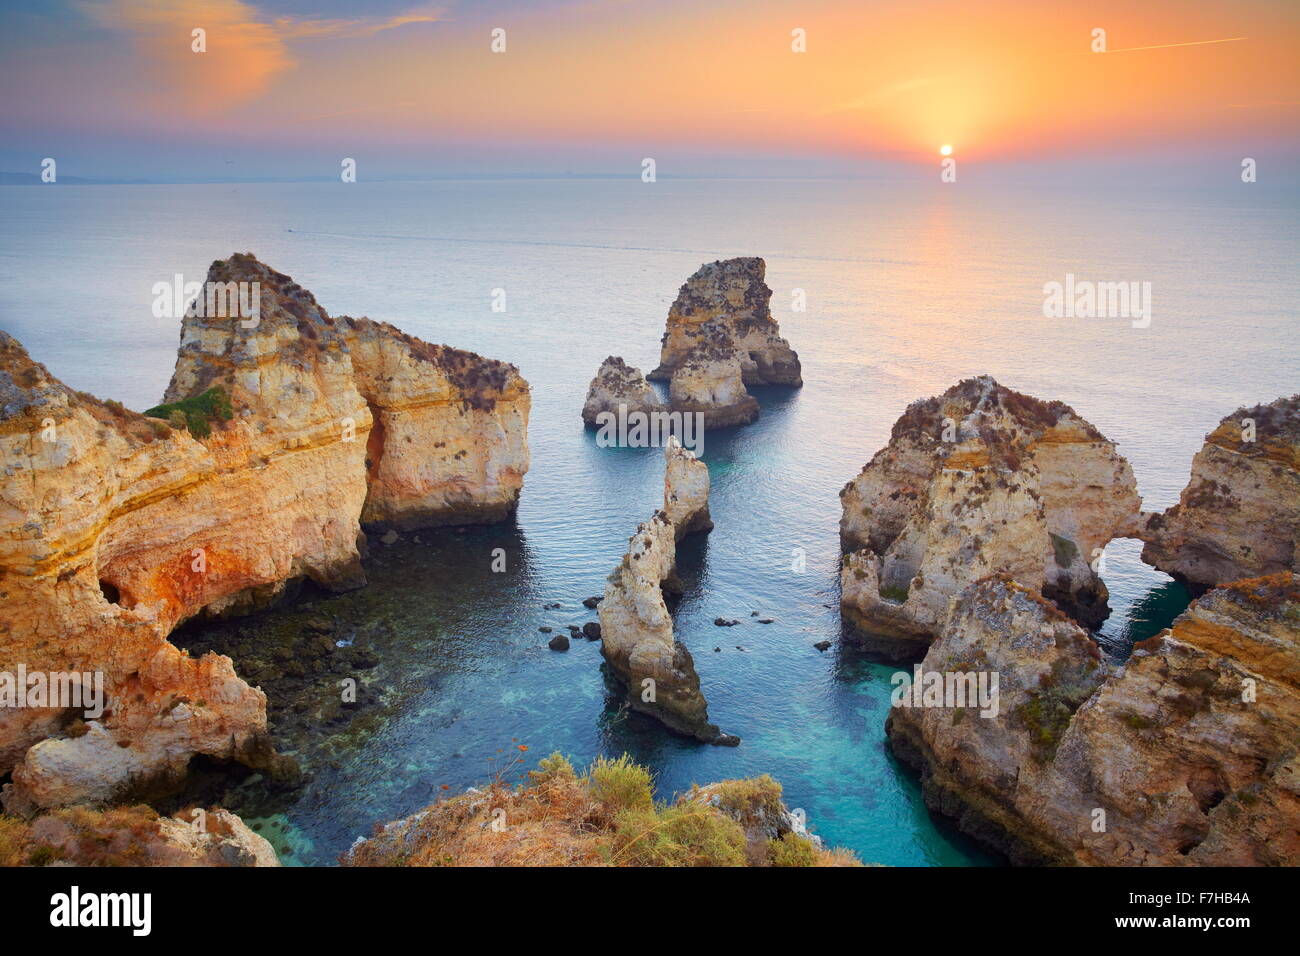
(909, 288)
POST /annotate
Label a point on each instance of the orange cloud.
(243, 54)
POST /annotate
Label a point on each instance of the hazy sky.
(286, 88)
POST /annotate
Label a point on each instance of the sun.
(945, 150)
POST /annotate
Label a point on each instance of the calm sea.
(909, 288)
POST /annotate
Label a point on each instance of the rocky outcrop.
(616, 385)
(725, 306)
(605, 816)
(686, 490)
(1185, 755)
(635, 625)
(980, 480)
(708, 383)
(1239, 515)
(449, 441)
(115, 527)
(132, 836)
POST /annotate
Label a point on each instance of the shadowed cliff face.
(1186, 755)
(980, 480)
(115, 527)
(1239, 515)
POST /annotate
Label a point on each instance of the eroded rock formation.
(686, 490)
(115, 527)
(708, 382)
(1184, 755)
(1239, 515)
(721, 337)
(619, 384)
(980, 480)
(725, 306)
(635, 624)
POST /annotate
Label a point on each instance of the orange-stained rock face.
(114, 527)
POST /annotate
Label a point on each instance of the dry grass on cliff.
(604, 817)
(119, 836)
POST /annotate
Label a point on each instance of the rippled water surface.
(909, 289)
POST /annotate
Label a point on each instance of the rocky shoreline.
(965, 537)
(274, 444)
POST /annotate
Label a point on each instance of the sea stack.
(1185, 755)
(1239, 515)
(616, 385)
(258, 470)
(979, 480)
(720, 338)
(686, 490)
(636, 628)
(725, 304)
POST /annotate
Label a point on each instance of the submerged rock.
(1186, 755)
(279, 437)
(1239, 515)
(619, 384)
(980, 480)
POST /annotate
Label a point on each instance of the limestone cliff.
(449, 443)
(980, 480)
(636, 628)
(726, 304)
(1239, 515)
(619, 384)
(115, 527)
(1186, 755)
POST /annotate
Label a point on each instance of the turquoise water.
(909, 289)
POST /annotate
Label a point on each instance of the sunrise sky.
(286, 87)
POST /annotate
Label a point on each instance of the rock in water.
(619, 384)
(635, 625)
(686, 490)
(1186, 755)
(290, 430)
(980, 480)
(708, 382)
(1239, 515)
(725, 304)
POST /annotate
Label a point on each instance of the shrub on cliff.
(604, 817)
(197, 412)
